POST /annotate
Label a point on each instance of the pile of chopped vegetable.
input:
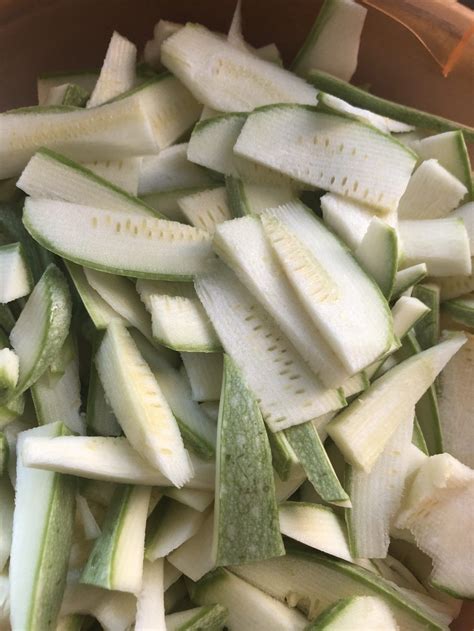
(236, 344)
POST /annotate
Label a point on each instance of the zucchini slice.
(333, 42)
(287, 392)
(466, 213)
(243, 245)
(199, 500)
(245, 511)
(116, 130)
(150, 600)
(204, 371)
(116, 561)
(407, 278)
(85, 80)
(42, 535)
(206, 209)
(356, 613)
(9, 370)
(432, 192)
(427, 330)
(100, 419)
(194, 557)
(121, 173)
(455, 286)
(105, 458)
(248, 607)
(117, 74)
(152, 52)
(15, 277)
(226, 78)
(140, 406)
(136, 246)
(283, 456)
(328, 151)
(362, 98)
(246, 198)
(50, 175)
(42, 327)
(329, 284)
(364, 428)
(461, 309)
(209, 617)
(378, 254)
(442, 244)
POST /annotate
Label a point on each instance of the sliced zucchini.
(438, 510)
(432, 192)
(427, 329)
(140, 406)
(329, 283)
(169, 526)
(42, 535)
(245, 511)
(328, 151)
(100, 419)
(122, 173)
(209, 617)
(364, 428)
(226, 78)
(89, 525)
(284, 458)
(45, 82)
(454, 286)
(194, 557)
(362, 98)
(15, 276)
(116, 561)
(150, 600)
(378, 254)
(206, 209)
(442, 244)
(204, 371)
(100, 312)
(333, 42)
(7, 505)
(136, 246)
(51, 175)
(451, 152)
(113, 131)
(466, 213)
(309, 449)
(356, 613)
(456, 400)
(243, 245)
(316, 526)
(9, 371)
(461, 309)
(105, 458)
(246, 198)
(117, 74)
(42, 327)
(248, 607)
(376, 496)
(199, 500)
(407, 278)
(287, 392)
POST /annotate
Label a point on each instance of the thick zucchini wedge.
(358, 613)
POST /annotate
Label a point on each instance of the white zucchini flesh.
(210, 617)
(115, 130)
(350, 219)
(466, 213)
(449, 148)
(89, 525)
(406, 278)
(246, 198)
(243, 245)
(194, 557)
(140, 406)
(246, 527)
(329, 284)
(161, 31)
(50, 175)
(442, 244)
(116, 561)
(136, 246)
(287, 392)
(284, 458)
(179, 321)
(199, 500)
(206, 209)
(211, 408)
(204, 371)
(461, 309)
(120, 294)
(117, 74)
(456, 402)
(311, 581)
(363, 429)
(42, 535)
(376, 496)
(439, 510)
(170, 170)
(150, 599)
(284, 489)
(7, 505)
(316, 526)
(455, 286)
(105, 458)
(169, 526)
(122, 173)
(42, 327)
(248, 607)
(358, 613)
(9, 370)
(15, 276)
(165, 203)
(378, 254)
(432, 192)
(333, 42)
(328, 151)
(226, 78)
(100, 312)
(85, 80)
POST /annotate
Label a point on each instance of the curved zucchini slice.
(42, 327)
(406, 278)
(378, 254)
(247, 198)
(209, 617)
(206, 209)
(356, 613)
(136, 246)
(150, 599)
